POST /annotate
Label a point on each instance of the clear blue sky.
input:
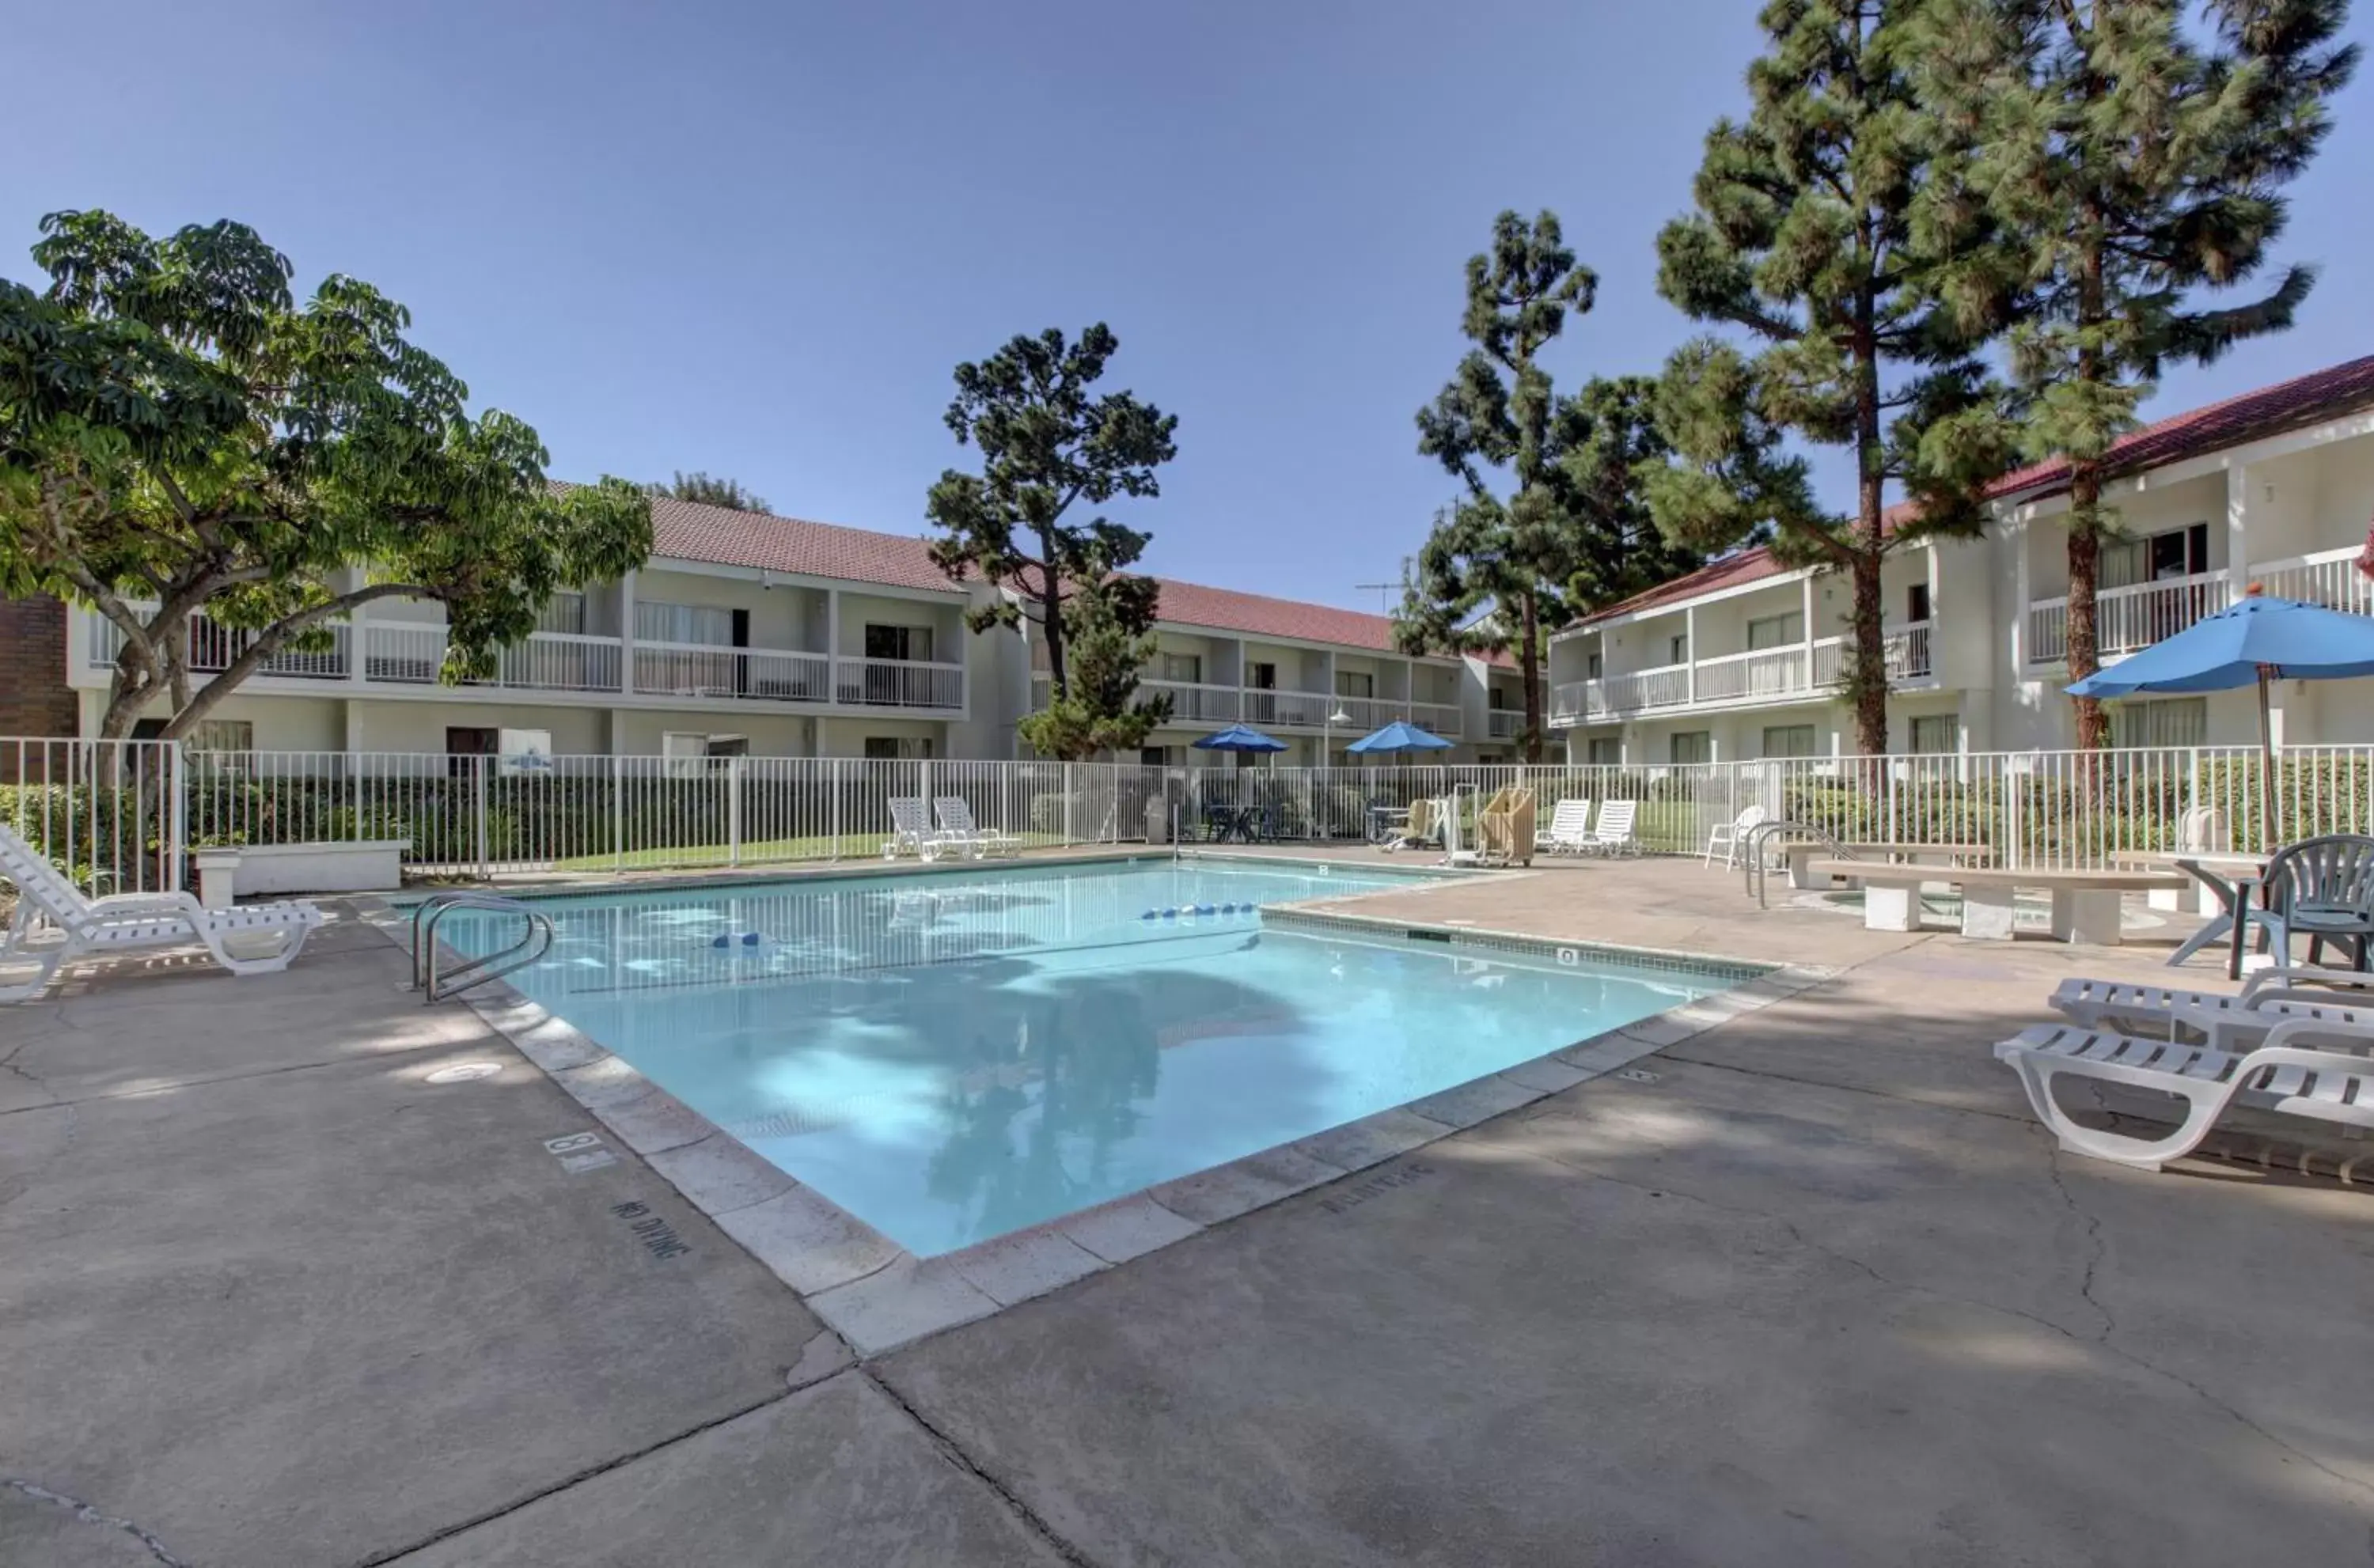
(754, 239)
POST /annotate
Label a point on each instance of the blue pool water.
(952, 1057)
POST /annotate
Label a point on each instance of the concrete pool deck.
(275, 1288)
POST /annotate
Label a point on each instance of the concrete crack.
(89, 1515)
(953, 1453)
(2101, 1342)
(2096, 1249)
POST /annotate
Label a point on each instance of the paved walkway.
(278, 1287)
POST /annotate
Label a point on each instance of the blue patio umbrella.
(1399, 736)
(1239, 738)
(2258, 641)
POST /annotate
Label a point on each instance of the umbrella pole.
(2266, 765)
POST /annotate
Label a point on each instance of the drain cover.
(464, 1072)
(1636, 1074)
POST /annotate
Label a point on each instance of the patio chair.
(1423, 827)
(2321, 889)
(54, 923)
(1729, 837)
(911, 832)
(2318, 1067)
(2223, 1021)
(1570, 829)
(957, 828)
(1613, 833)
(1504, 828)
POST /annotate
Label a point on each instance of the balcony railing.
(681, 669)
(1190, 703)
(1303, 709)
(411, 654)
(897, 683)
(213, 647)
(2329, 577)
(1796, 674)
(1441, 718)
(1504, 723)
(2130, 618)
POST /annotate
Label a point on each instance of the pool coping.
(879, 1296)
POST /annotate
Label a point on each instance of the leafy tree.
(1104, 616)
(1864, 302)
(1047, 442)
(1607, 438)
(710, 491)
(2138, 161)
(1491, 573)
(178, 437)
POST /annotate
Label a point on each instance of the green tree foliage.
(177, 436)
(1862, 298)
(1608, 442)
(1492, 575)
(709, 490)
(1047, 442)
(1105, 617)
(2138, 162)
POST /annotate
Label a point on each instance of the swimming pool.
(955, 1056)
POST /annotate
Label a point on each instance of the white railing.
(897, 683)
(1771, 672)
(411, 653)
(212, 647)
(1303, 709)
(682, 668)
(2329, 577)
(124, 816)
(1504, 723)
(2131, 618)
(1439, 718)
(1190, 703)
(1908, 652)
(1637, 691)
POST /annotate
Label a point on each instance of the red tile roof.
(1258, 614)
(2286, 405)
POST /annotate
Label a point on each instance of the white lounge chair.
(2221, 1019)
(911, 832)
(1731, 836)
(54, 923)
(1570, 829)
(1613, 833)
(957, 828)
(2298, 1071)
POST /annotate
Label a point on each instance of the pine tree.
(1865, 301)
(2138, 162)
(1491, 574)
(1107, 645)
(711, 490)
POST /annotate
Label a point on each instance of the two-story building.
(1742, 659)
(747, 634)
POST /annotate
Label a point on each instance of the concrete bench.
(2085, 904)
(1800, 853)
(340, 865)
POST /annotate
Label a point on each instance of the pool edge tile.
(905, 1301)
(1128, 1227)
(1024, 1264)
(1371, 1139)
(1477, 1100)
(812, 1244)
(720, 1173)
(1243, 1186)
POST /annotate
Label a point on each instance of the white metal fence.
(125, 815)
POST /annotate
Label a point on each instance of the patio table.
(1226, 824)
(2230, 877)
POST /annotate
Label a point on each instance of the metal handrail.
(1753, 876)
(435, 988)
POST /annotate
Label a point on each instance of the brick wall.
(34, 698)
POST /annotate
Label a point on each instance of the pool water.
(952, 1057)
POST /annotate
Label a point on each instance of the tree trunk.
(1050, 608)
(1867, 673)
(2084, 627)
(1529, 654)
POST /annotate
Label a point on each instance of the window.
(462, 743)
(1677, 648)
(223, 735)
(562, 613)
(1261, 677)
(1776, 631)
(912, 644)
(899, 748)
(702, 625)
(2176, 721)
(1936, 734)
(1159, 757)
(1788, 740)
(2178, 552)
(1185, 668)
(1916, 603)
(1591, 668)
(1355, 683)
(1606, 751)
(1690, 745)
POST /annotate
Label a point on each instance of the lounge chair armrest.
(2288, 976)
(117, 904)
(2281, 1037)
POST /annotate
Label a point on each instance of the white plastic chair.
(957, 828)
(1727, 837)
(2221, 1019)
(911, 832)
(1613, 833)
(1570, 829)
(55, 923)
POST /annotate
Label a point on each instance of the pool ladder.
(1764, 832)
(535, 941)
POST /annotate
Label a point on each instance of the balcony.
(898, 683)
(411, 654)
(1798, 672)
(677, 668)
(2128, 619)
(2329, 577)
(1269, 708)
(1504, 723)
(213, 647)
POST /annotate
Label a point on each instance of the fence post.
(923, 781)
(177, 817)
(618, 812)
(833, 789)
(1069, 779)
(479, 793)
(733, 811)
